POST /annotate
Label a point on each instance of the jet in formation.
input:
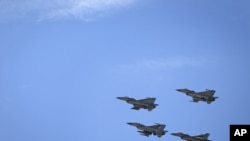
(157, 129)
(147, 103)
(201, 137)
(206, 96)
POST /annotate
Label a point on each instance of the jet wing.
(136, 107)
(157, 126)
(150, 109)
(209, 102)
(154, 126)
(147, 100)
(196, 99)
(159, 130)
(207, 93)
(159, 135)
(145, 133)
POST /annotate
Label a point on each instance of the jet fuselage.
(148, 130)
(206, 96)
(202, 137)
(147, 103)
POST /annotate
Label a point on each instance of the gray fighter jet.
(157, 129)
(201, 137)
(206, 96)
(147, 103)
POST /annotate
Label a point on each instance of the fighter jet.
(206, 96)
(147, 103)
(157, 129)
(201, 137)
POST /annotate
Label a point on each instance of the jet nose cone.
(174, 134)
(133, 124)
(123, 98)
(177, 134)
(119, 98)
(130, 123)
(179, 90)
(182, 90)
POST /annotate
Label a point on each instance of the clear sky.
(63, 63)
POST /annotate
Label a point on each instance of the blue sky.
(62, 63)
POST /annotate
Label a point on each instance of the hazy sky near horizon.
(63, 63)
